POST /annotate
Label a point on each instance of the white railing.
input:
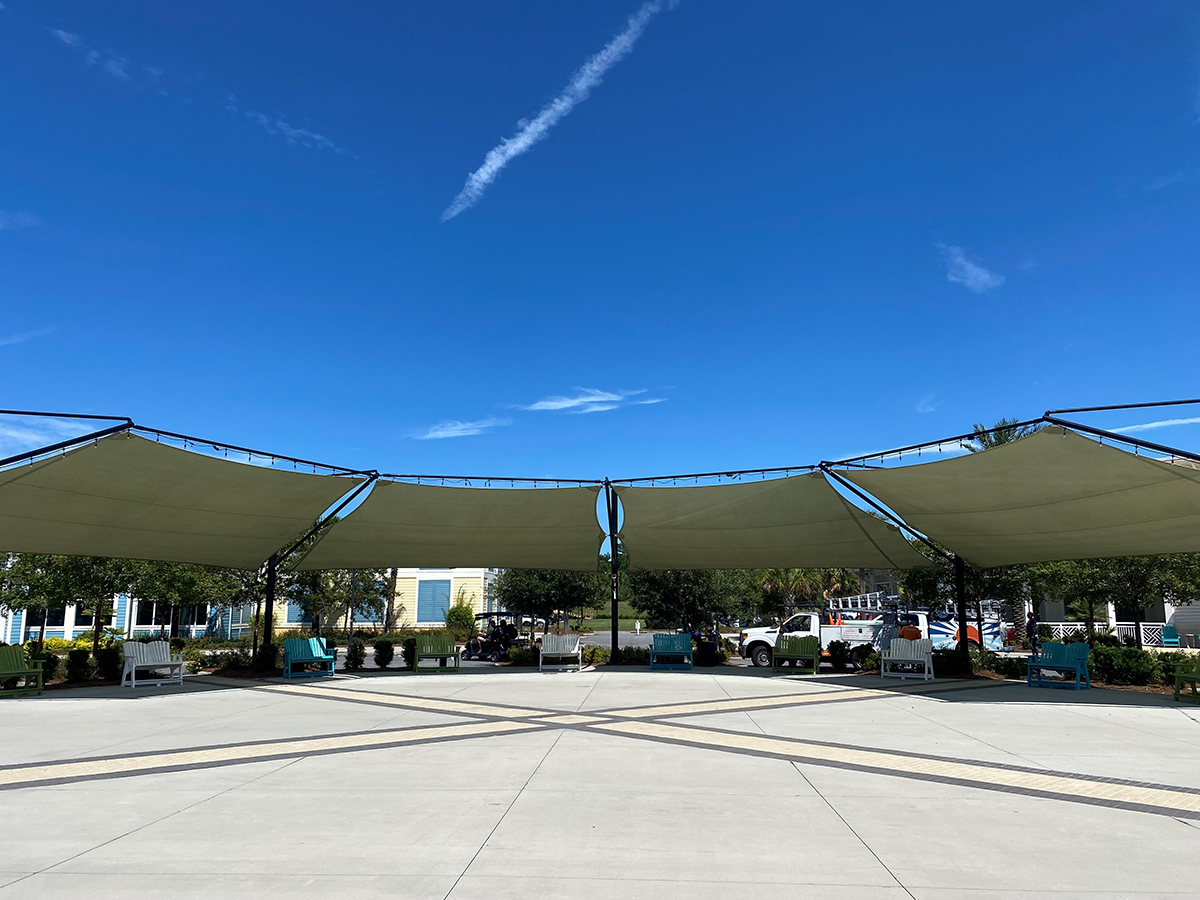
(1152, 632)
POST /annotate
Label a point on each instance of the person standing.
(1031, 633)
(637, 626)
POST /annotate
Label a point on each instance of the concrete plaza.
(603, 784)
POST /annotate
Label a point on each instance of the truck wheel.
(761, 656)
(859, 655)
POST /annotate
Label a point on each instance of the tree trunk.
(42, 629)
(389, 616)
(979, 620)
(1137, 624)
(101, 616)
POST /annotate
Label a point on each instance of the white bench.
(907, 655)
(154, 655)
(560, 652)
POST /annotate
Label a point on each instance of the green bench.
(804, 653)
(1070, 659)
(310, 652)
(677, 648)
(1188, 673)
(441, 647)
(13, 665)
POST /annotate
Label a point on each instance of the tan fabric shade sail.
(402, 524)
(126, 496)
(799, 521)
(1052, 496)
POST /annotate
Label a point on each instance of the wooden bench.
(902, 657)
(436, 646)
(1069, 659)
(153, 656)
(677, 647)
(560, 653)
(310, 652)
(796, 650)
(1185, 673)
(13, 665)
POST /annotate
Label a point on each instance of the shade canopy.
(785, 522)
(431, 526)
(126, 496)
(1054, 495)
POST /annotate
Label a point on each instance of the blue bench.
(677, 648)
(1070, 659)
(311, 652)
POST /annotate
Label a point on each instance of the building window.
(433, 600)
(56, 618)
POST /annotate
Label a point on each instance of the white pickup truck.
(862, 635)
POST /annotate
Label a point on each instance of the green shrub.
(50, 662)
(177, 644)
(523, 656)
(460, 620)
(1168, 662)
(635, 656)
(109, 663)
(595, 656)
(1106, 640)
(1045, 632)
(356, 654)
(1124, 665)
(384, 652)
(869, 662)
(268, 657)
(410, 651)
(839, 655)
(79, 666)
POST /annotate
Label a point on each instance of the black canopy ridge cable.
(250, 453)
(900, 451)
(1123, 438)
(1160, 403)
(891, 517)
(59, 415)
(65, 445)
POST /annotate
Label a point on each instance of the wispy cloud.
(19, 435)
(971, 275)
(927, 402)
(1170, 180)
(11, 221)
(150, 79)
(303, 136)
(23, 337)
(453, 429)
(1162, 423)
(590, 400)
(533, 130)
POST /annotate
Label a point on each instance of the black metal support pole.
(610, 498)
(960, 597)
(269, 621)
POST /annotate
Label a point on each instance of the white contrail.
(577, 91)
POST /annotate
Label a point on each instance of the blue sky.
(770, 233)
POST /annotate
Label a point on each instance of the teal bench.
(1170, 636)
(13, 665)
(676, 648)
(441, 647)
(1185, 673)
(794, 649)
(310, 652)
(1070, 659)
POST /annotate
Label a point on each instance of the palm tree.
(1003, 432)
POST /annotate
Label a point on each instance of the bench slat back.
(297, 648)
(435, 644)
(555, 644)
(316, 646)
(672, 643)
(1055, 654)
(794, 645)
(147, 654)
(12, 659)
(903, 648)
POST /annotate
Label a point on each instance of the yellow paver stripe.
(1064, 785)
(247, 752)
